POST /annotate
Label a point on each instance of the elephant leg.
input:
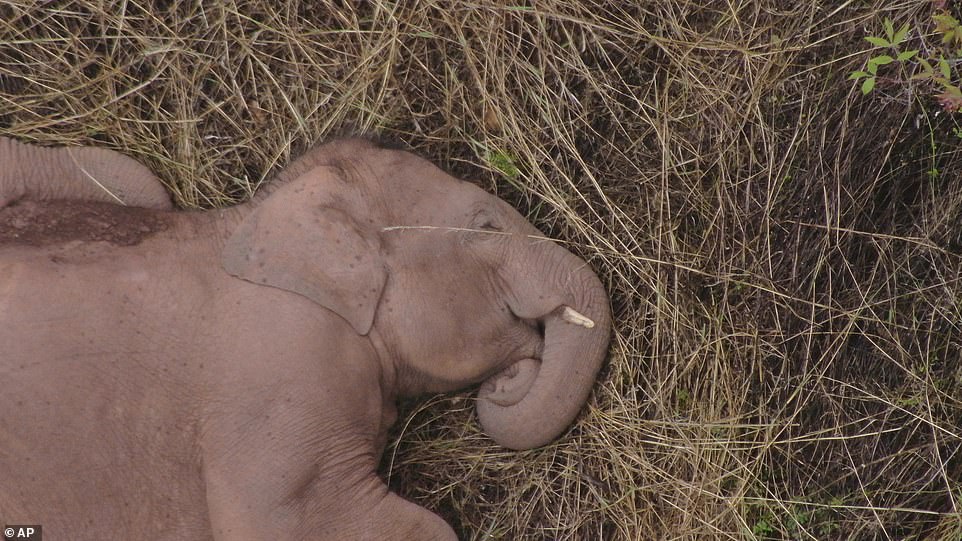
(274, 501)
(84, 173)
(397, 518)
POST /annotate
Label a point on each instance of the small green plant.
(951, 96)
(796, 520)
(933, 67)
(684, 398)
(799, 519)
(504, 163)
(891, 41)
(763, 528)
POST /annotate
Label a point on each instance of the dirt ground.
(783, 253)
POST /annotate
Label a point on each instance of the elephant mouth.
(510, 385)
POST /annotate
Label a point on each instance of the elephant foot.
(397, 518)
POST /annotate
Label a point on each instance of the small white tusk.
(572, 316)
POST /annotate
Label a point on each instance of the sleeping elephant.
(232, 373)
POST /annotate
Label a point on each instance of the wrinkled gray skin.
(232, 374)
(88, 173)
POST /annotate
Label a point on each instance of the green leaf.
(878, 42)
(945, 22)
(876, 61)
(900, 35)
(504, 163)
(857, 75)
(948, 36)
(907, 55)
(889, 30)
(953, 37)
(945, 68)
(948, 27)
(868, 85)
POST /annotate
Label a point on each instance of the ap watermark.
(22, 532)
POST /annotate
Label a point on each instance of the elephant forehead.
(46, 223)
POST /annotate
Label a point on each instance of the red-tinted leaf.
(950, 101)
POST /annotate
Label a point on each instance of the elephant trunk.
(575, 344)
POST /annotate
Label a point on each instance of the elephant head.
(457, 285)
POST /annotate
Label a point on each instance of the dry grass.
(784, 273)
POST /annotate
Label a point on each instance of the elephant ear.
(300, 241)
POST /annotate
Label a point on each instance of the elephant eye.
(485, 219)
(489, 225)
